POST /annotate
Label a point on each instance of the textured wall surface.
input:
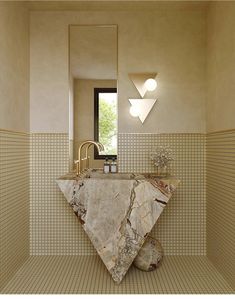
(221, 144)
(54, 229)
(14, 147)
(173, 45)
(14, 62)
(220, 66)
(171, 42)
(14, 203)
(220, 202)
(181, 228)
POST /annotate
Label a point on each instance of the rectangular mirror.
(93, 89)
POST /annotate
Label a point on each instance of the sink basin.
(97, 173)
(117, 211)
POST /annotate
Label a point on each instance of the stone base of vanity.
(117, 212)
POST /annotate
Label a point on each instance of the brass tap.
(89, 143)
(87, 158)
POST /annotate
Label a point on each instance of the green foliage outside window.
(108, 126)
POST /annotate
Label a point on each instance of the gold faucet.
(89, 143)
(87, 158)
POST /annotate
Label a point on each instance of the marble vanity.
(117, 211)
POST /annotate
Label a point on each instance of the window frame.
(97, 91)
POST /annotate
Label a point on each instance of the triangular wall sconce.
(141, 107)
(139, 80)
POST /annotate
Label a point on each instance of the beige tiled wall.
(14, 202)
(181, 228)
(54, 229)
(221, 202)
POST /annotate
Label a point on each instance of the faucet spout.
(89, 143)
(100, 148)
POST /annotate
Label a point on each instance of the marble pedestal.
(117, 211)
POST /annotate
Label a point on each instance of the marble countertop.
(117, 211)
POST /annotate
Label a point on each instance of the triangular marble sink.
(117, 211)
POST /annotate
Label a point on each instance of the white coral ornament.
(162, 157)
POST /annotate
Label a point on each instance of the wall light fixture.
(143, 82)
(141, 107)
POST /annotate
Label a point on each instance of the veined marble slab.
(117, 211)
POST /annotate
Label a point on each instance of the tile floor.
(87, 274)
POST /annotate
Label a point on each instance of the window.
(105, 126)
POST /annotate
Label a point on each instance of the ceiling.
(121, 5)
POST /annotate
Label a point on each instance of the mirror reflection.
(93, 89)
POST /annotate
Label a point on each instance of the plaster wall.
(14, 61)
(170, 42)
(220, 66)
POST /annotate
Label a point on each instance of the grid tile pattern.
(88, 275)
(54, 229)
(221, 202)
(14, 202)
(182, 227)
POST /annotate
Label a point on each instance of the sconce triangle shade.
(141, 107)
(139, 81)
